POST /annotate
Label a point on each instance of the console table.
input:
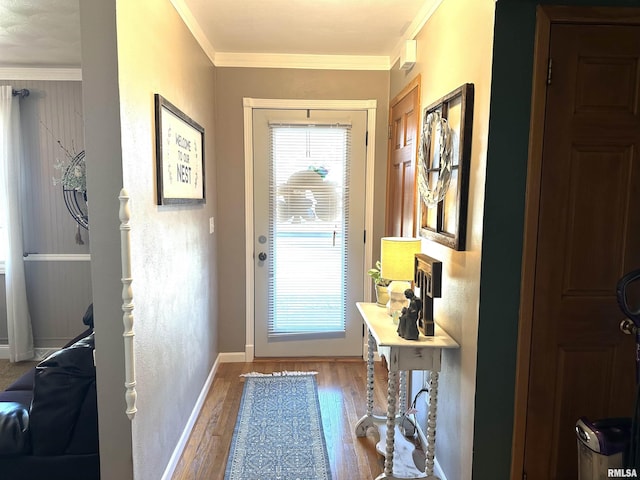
(401, 356)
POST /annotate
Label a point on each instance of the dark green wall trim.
(507, 154)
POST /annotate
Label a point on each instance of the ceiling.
(37, 33)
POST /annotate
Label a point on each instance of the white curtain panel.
(18, 318)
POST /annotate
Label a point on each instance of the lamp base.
(397, 300)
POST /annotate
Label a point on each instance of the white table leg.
(431, 425)
(392, 391)
(402, 408)
(367, 422)
(371, 345)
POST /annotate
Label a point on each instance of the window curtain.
(18, 318)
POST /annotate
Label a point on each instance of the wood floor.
(342, 395)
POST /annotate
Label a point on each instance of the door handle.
(262, 256)
(627, 326)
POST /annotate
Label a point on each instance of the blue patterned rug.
(278, 434)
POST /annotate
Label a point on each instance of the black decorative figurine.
(408, 325)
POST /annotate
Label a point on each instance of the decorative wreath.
(431, 195)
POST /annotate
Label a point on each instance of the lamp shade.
(397, 257)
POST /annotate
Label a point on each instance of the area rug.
(278, 433)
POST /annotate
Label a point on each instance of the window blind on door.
(309, 204)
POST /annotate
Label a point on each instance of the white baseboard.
(184, 438)
(232, 357)
(438, 471)
(250, 351)
(40, 353)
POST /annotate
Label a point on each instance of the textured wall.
(58, 292)
(174, 259)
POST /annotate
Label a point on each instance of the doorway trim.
(545, 16)
(249, 104)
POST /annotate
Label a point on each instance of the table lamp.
(397, 257)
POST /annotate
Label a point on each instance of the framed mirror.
(443, 168)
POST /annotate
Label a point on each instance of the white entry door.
(309, 199)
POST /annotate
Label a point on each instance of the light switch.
(212, 225)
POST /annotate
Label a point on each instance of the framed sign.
(179, 155)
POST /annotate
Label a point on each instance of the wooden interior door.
(588, 237)
(404, 118)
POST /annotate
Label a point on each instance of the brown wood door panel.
(394, 197)
(598, 194)
(409, 151)
(588, 237)
(401, 176)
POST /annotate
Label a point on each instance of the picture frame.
(446, 222)
(180, 168)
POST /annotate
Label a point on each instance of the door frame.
(249, 104)
(545, 16)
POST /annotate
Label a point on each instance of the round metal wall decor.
(434, 155)
(74, 190)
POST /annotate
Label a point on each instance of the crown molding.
(317, 62)
(275, 60)
(194, 27)
(44, 73)
(302, 61)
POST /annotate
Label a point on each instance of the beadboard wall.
(57, 265)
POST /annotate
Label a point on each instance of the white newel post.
(127, 305)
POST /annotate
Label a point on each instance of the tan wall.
(446, 60)
(232, 84)
(173, 254)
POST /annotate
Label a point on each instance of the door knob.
(262, 256)
(628, 327)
